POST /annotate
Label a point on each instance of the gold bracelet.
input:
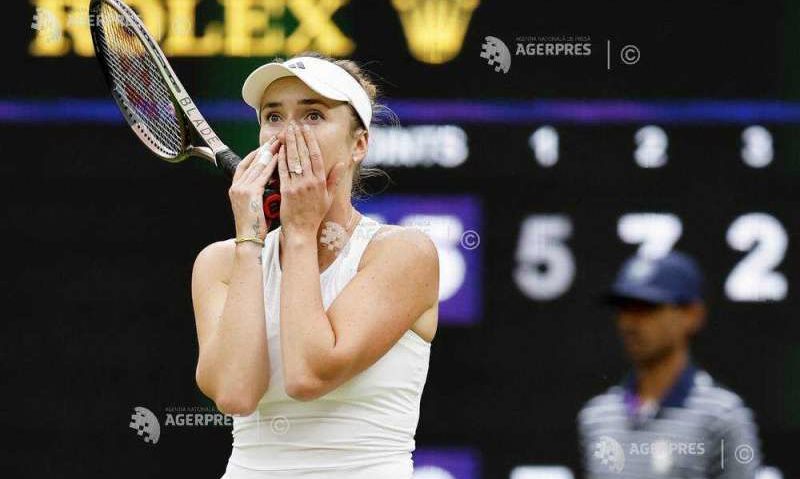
(254, 239)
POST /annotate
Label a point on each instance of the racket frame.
(216, 151)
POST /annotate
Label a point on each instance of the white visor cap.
(327, 79)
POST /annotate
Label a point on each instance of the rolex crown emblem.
(435, 29)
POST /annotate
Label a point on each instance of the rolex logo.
(435, 29)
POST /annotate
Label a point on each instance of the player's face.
(650, 332)
(289, 99)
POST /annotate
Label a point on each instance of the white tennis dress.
(364, 429)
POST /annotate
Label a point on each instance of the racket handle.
(272, 208)
(227, 161)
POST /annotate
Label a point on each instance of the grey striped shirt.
(701, 430)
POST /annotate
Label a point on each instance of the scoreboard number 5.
(545, 265)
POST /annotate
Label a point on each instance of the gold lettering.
(152, 14)
(77, 28)
(247, 27)
(150, 11)
(180, 40)
(317, 30)
(49, 25)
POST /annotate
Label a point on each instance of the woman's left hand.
(306, 191)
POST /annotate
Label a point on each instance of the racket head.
(141, 84)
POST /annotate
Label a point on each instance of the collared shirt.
(698, 430)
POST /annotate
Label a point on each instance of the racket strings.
(136, 81)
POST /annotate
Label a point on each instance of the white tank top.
(364, 429)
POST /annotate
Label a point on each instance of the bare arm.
(228, 296)
(227, 292)
(323, 349)
(397, 283)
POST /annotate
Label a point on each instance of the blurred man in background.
(667, 419)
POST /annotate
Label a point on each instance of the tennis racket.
(153, 100)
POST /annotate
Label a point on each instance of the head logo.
(145, 423)
(496, 53)
(610, 453)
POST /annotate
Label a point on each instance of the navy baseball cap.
(671, 279)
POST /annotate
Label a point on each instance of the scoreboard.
(660, 187)
(561, 205)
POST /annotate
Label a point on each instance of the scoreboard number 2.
(754, 278)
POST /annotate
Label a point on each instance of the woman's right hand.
(247, 191)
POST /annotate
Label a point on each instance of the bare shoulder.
(406, 243)
(215, 261)
(410, 254)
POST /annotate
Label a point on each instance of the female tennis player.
(316, 336)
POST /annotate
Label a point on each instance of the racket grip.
(272, 208)
(228, 161)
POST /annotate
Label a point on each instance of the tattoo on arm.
(255, 206)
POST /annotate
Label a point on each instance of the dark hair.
(380, 112)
